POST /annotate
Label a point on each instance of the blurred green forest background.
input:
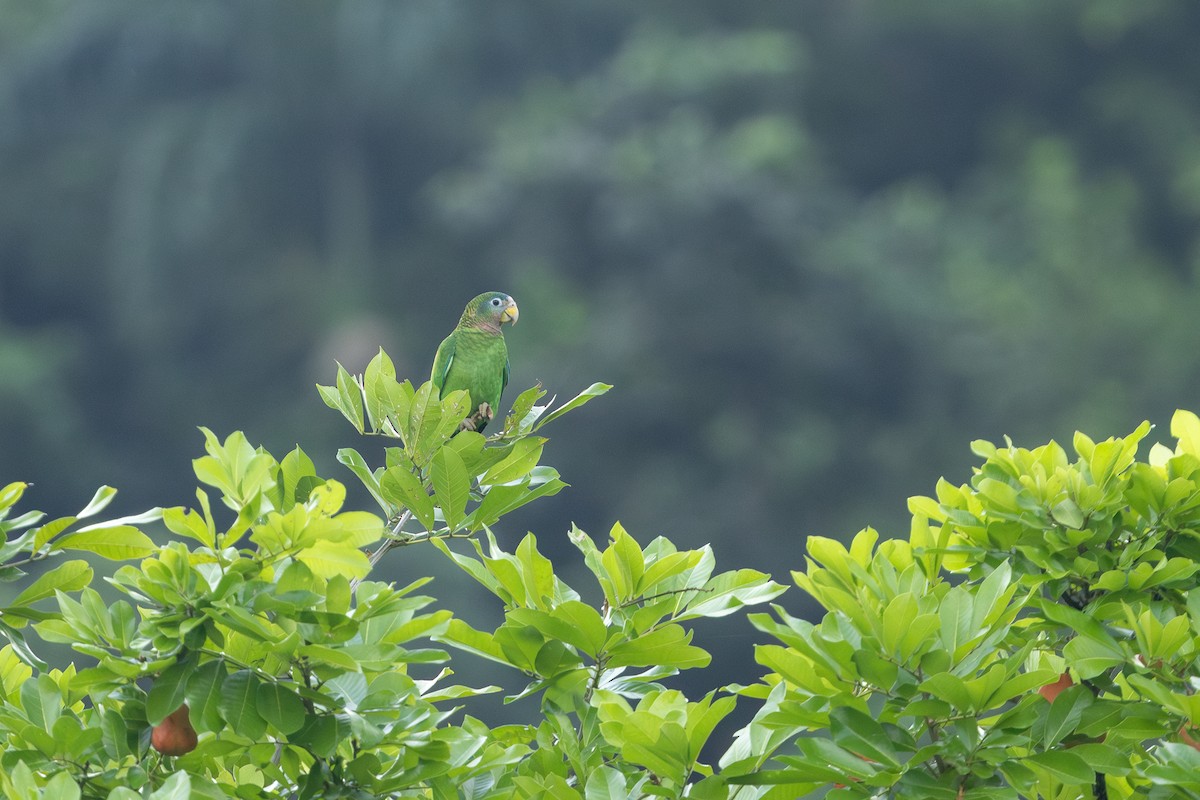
(817, 246)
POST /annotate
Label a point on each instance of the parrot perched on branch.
(474, 357)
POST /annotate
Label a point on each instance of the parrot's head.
(490, 310)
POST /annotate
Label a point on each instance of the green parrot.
(474, 357)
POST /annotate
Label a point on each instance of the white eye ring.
(496, 301)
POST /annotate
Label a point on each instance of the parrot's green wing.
(504, 380)
(442, 362)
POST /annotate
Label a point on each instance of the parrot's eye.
(496, 302)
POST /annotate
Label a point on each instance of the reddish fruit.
(1053, 690)
(1188, 739)
(174, 736)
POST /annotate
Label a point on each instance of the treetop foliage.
(1034, 636)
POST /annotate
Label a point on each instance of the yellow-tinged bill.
(510, 313)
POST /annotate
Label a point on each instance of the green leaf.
(41, 700)
(327, 559)
(1064, 714)
(605, 783)
(401, 487)
(523, 457)
(378, 379)
(51, 529)
(1104, 758)
(503, 499)
(205, 687)
(948, 687)
(730, 592)
(281, 707)
(10, 494)
(185, 522)
(586, 622)
(320, 734)
(169, 690)
(666, 646)
(104, 495)
(464, 637)
(1063, 765)
(350, 458)
(862, 735)
(451, 485)
(176, 787)
(624, 563)
(62, 787)
(588, 394)
(703, 718)
(121, 543)
(424, 418)
(1185, 426)
(522, 415)
(1090, 657)
(239, 706)
(69, 576)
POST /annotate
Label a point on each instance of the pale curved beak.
(510, 314)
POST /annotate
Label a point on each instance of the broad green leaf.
(593, 391)
(956, 612)
(68, 576)
(522, 415)
(623, 562)
(1090, 657)
(205, 687)
(667, 646)
(472, 567)
(586, 621)
(1104, 758)
(463, 636)
(523, 457)
(121, 543)
(18, 646)
(41, 700)
(730, 592)
(1064, 715)
(280, 707)
(326, 559)
(703, 718)
(350, 397)
(356, 464)
(62, 787)
(328, 655)
(320, 734)
(185, 522)
(51, 529)
(451, 485)
(537, 573)
(1063, 765)
(10, 494)
(378, 379)
(169, 690)
(605, 783)
(104, 495)
(356, 528)
(1185, 426)
(424, 418)
(862, 735)
(176, 787)
(401, 487)
(503, 499)
(950, 688)
(239, 707)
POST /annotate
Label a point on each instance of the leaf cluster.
(1035, 636)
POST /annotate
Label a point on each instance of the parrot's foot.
(479, 419)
